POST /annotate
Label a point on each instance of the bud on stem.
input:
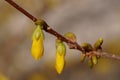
(94, 59)
(98, 43)
(60, 56)
(37, 42)
(90, 63)
(71, 36)
(82, 57)
(87, 46)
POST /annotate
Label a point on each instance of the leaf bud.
(90, 63)
(71, 36)
(98, 43)
(87, 46)
(82, 57)
(94, 59)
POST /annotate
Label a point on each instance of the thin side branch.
(59, 36)
(112, 56)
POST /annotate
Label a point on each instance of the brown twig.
(21, 10)
(59, 36)
(112, 56)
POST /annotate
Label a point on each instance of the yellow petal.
(60, 61)
(60, 56)
(37, 48)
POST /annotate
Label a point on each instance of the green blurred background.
(88, 19)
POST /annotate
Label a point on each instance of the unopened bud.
(82, 57)
(87, 46)
(94, 59)
(90, 63)
(98, 43)
(71, 36)
(37, 43)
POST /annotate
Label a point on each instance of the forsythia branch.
(48, 29)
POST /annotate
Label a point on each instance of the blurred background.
(88, 19)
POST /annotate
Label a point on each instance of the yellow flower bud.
(37, 43)
(60, 56)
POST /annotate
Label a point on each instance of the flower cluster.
(38, 48)
(89, 52)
